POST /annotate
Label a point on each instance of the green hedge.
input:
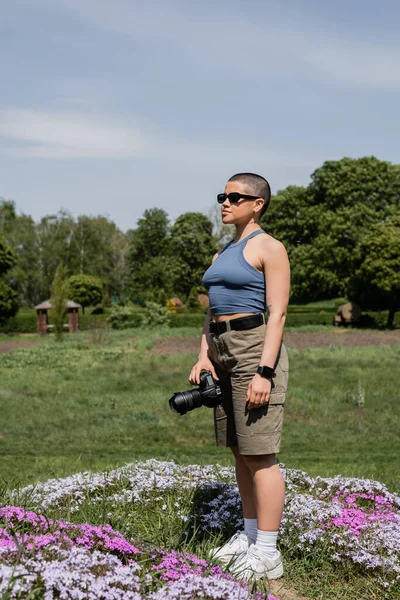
(187, 320)
(311, 309)
(292, 320)
(373, 320)
(25, 322)
(21, 323)
(314, 318)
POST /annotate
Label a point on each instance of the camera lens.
(183, 402)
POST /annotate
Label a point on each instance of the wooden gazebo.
(43, 321)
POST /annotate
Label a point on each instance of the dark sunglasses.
(234, 197)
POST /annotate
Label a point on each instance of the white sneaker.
(237, 545)
(254, 564)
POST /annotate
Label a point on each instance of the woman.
(249, 277)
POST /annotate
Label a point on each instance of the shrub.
(87, 322)
(155, 315)
(107, 301)
(124, 317)
(192, 303)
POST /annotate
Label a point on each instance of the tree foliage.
(375, 283)
(59, 298)
(322, 224)
(84, 245)
(8, 297)
(150, 238)
(166, 261)
(87, 290)
(193, 245)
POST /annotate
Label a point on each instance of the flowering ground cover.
(42, 557)
(143, 530)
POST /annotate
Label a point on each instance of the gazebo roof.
(47, 304)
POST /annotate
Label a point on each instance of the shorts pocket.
(283, 362)
(277, 398)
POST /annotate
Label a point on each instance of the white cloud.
(227, 40)
(54, 135)
(71, 135)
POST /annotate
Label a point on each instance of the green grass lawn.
(99, 399)
(80, 405)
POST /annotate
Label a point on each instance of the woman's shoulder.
(268, 241)
(269, 246)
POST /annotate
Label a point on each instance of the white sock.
(266, 542)
(250, 529)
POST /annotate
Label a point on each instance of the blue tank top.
(233, 284)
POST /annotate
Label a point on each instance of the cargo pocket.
(277, 398)
(282, 376)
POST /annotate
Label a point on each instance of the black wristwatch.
(267, 372)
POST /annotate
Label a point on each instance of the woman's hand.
(201, 365)
(258, 391)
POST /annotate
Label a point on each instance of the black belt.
(237, 324)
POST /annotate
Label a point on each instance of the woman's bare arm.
(203, 342)
(277, 282)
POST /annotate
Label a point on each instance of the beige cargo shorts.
(236, 356)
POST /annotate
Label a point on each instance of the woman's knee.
(255, 462)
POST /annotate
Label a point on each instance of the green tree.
(292, 216)
(150, 238)
(154, 280)
(9, 299)
(193, 245)
(87, 290)
(59, 298)
(20, 232)
(375, 283)
(100, 248)
(7, 216)
(7, 256)
(322, 224)
(368, 182)
(55, 233)
(150, 264)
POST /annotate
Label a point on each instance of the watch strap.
(267, 372)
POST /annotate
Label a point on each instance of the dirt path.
(9, 346)
(295, 339)
(283, 591)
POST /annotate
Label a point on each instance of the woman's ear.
(259, 203)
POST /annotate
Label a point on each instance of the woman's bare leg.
(269, 489)
(244, 480)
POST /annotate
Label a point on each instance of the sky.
(111, 107)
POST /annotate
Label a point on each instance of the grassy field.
(99, 400)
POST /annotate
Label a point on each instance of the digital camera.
(207, 394)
